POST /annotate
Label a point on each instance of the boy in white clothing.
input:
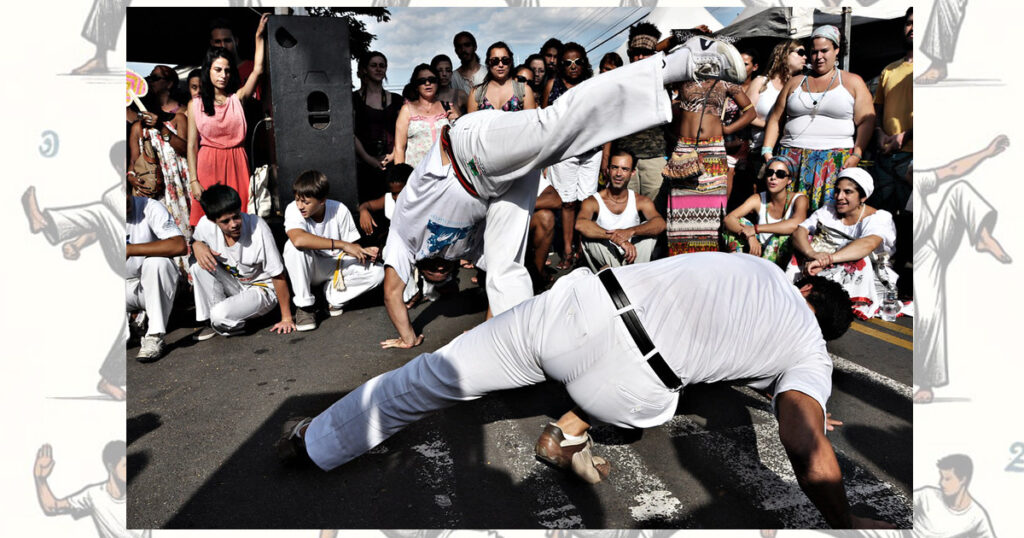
(151, 278)
(322, 250)
(238, 273)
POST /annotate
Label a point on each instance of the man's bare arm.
(41, 470)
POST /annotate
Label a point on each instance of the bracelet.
(332, 244)
(765, 150)
(746, 108)
(755, 230)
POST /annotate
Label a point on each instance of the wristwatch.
(166, 137)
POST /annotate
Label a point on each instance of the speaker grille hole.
(319, 108)
(285, 38)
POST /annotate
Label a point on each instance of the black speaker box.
(311, 95)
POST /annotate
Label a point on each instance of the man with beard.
(470, 73)
(104, 501)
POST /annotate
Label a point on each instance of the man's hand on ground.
(398, 343)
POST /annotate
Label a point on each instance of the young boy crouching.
(321, 250)
(238, 273)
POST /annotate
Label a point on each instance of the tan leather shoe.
(554, 449)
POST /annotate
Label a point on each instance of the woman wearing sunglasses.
(788, 59)
(445, 92)
(829, 118)
(779, 212)
(421, 118)
(575, 178)
(500, 89)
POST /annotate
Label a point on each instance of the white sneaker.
(715, 59)
(335, 311)
(151, 348)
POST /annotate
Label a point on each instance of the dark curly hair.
(831, 304)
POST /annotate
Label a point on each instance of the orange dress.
(222, 158)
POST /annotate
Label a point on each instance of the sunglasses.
(572, 61)
(426, 80)
(641, 52)
(801, 52)
(522, 80)
(504, 60)
(781, 174)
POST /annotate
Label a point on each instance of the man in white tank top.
(609, 221)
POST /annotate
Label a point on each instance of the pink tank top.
(225, 128)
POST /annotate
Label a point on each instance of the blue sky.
(416, 35)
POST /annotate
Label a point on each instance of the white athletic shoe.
(150, 349)
(335, 311)
(715, 59)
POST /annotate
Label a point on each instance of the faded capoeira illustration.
(940, 36)
(946, 511)
(937, 234)
(104, 502)
(101, 28)
(79, 226)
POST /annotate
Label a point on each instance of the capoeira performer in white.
(625, 342)
(487, 167)
(238, 273)
(80, 226)
(937, 236)
(322, 251)
(152, 277)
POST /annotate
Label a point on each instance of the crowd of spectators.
(776, 167)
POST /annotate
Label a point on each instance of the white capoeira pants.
(962, 210)
(602, 252)
(570, 334)
(943, 28)
(307, 269)
(575, 178)
(225, 301)
(502, 154)
(153, 291)
(105, 219)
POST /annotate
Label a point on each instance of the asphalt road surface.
(202, 422)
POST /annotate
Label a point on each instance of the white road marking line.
(438, 474)
(852, 368)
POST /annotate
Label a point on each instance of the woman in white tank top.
(829, 120)
(779, 212)
(787, 61)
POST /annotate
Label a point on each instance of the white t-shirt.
(434, 218)
(460, 83)
(149, 221)
(107, 513)
(721, 317)
(336, 224)
(253, 259)
(880, 224)
(934, 519)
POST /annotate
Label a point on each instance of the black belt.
(636, 330)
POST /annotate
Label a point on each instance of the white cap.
(861, 177)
